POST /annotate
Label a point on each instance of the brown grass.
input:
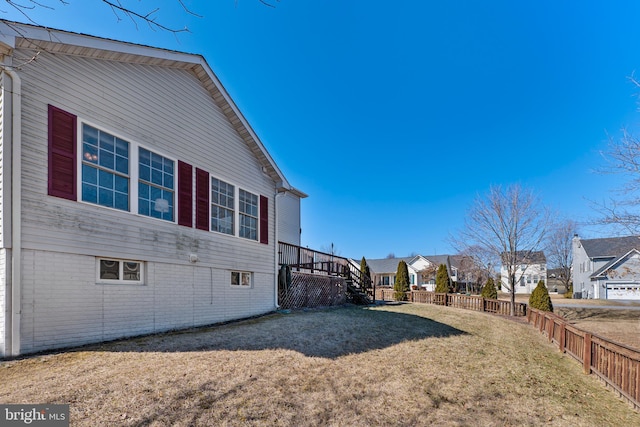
(408, 364)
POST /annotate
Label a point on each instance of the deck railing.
(616, 364)
(316, 262)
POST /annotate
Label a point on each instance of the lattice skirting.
(308, 290)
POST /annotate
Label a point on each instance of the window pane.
(131, 271)
(90, 153)
(156, 196)
(107, 142)
(121, 201)
(90, 134)
(105, 179)
(109, 270)
(122, 147)
(145, 157)
(89, 193)
(145, 173)
(105, 197)
(89, 175)
(122, 165)
(235, 278)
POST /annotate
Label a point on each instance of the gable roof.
(529, 257)
(387, 265)
(610, 247)
(600, 272)
(15, 35)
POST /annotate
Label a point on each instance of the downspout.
(16, 210)
(275, 249)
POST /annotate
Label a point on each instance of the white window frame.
(134, 176)
(236, 205)
(257, 217)
(120, 280)
(244, 279)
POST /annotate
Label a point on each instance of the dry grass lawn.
(409, 364)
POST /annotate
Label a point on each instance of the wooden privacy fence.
(616, 364)
(468, 302)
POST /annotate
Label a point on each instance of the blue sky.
(394, 116)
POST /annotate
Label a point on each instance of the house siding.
(63, 306)
(289, 218)
(165, 110)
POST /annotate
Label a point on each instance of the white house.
(607, 268)
(531, 268)
(134, 196)
(422, 270)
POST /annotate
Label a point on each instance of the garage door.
(623, 291)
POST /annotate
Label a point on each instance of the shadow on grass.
(328, 333)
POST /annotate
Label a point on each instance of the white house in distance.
(607, 268)
(422, 270)
(134, 196)
(532, 267)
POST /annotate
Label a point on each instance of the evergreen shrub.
(489, 289)
(540, 298)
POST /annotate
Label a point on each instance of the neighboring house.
(422, 270)
(134, 196)
(556, 282)
(607, 268)
(531, 268)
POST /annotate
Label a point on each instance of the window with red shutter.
(185, 194)
(62, 154)
(202, 200)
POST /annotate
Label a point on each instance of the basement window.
(241, 279)
(120, 271)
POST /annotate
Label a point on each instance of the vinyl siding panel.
(167, 111)
(289, 218)
(63, 306)
(3, 141)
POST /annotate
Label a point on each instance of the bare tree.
(559, 248)
(510, 224)
(478, 264)
(623, 157)
(120, 8)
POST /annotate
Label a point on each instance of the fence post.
(586, 354)
(551, 323)
(563, 334)
(484, 308)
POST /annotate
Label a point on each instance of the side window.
(156, 185)
(222, 207)
(105, 169)
(120, 271)
(241, 279)
(248, 215)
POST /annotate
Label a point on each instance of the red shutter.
(202, 199)
(264, 220)
(62, 154)
(185, 194)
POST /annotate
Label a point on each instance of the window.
(156, 185)
(385, 281)
(248, 215)
(241, 278)
(119, 271)
(88, 164)
(222, 206)
(105, 169)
